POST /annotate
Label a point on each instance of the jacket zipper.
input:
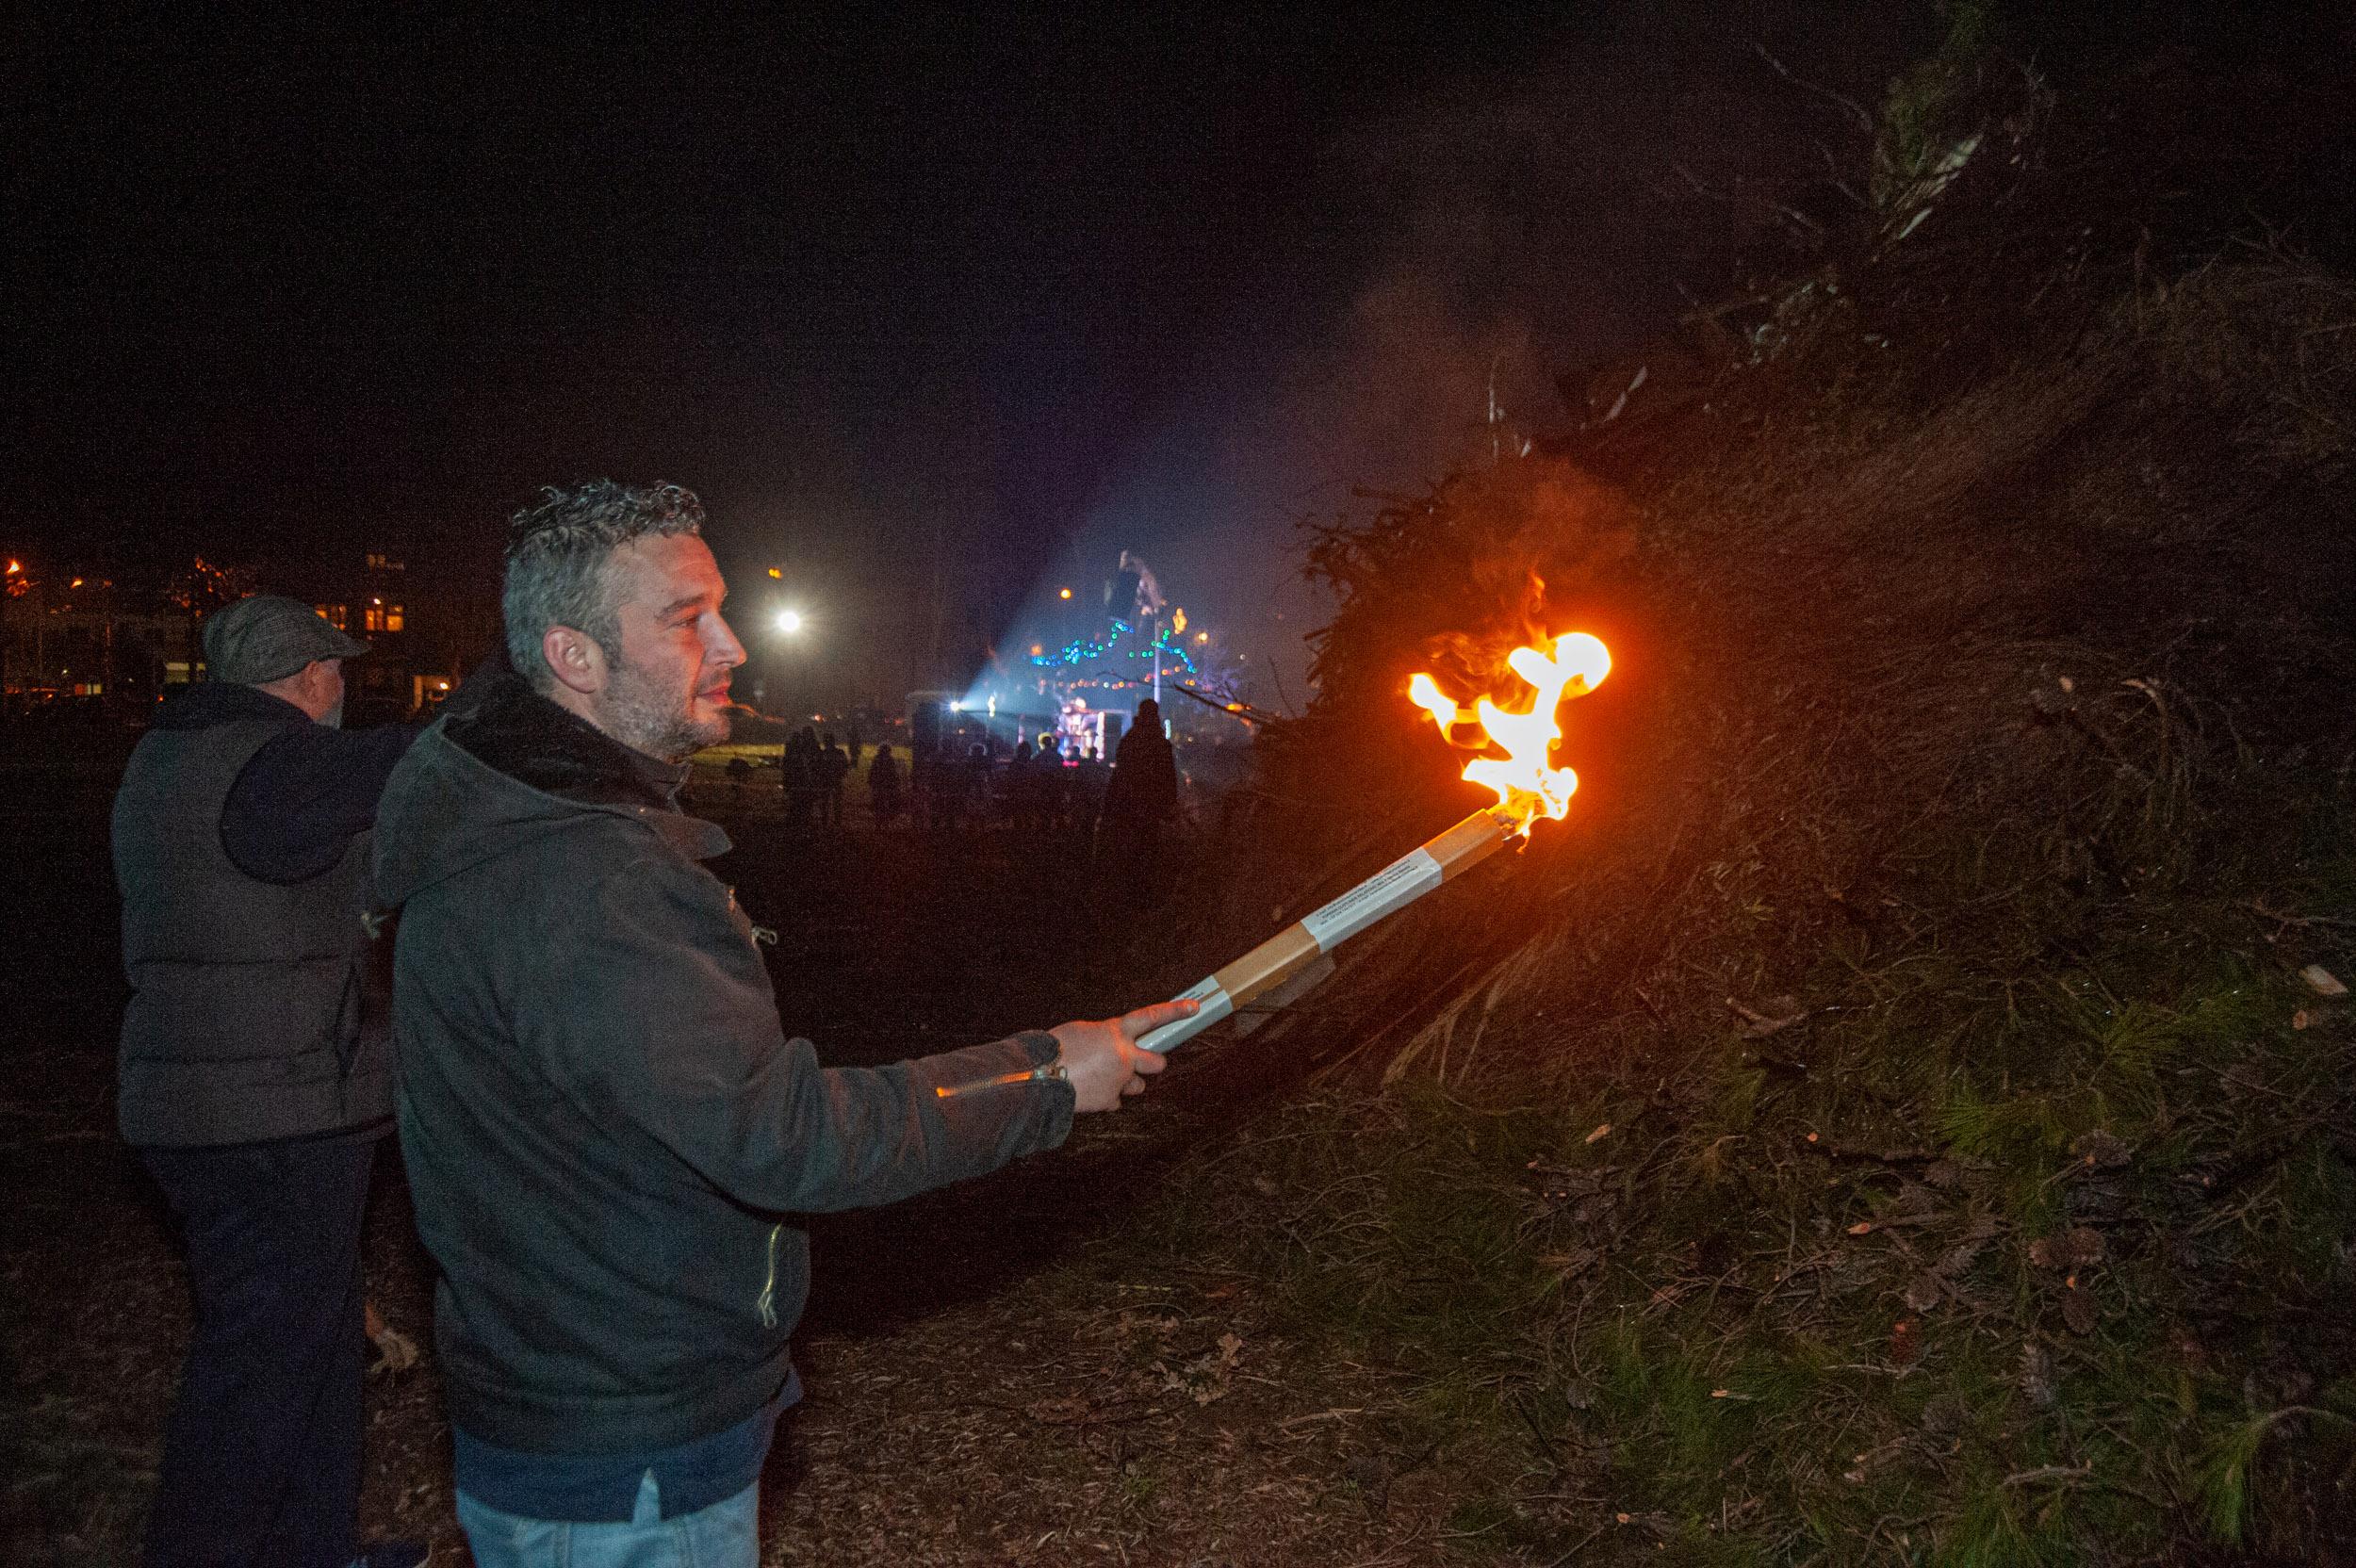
(766, 1304)
(759, 934)
(1053, 1070)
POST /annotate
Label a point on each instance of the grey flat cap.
(265, 638)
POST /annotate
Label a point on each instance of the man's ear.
(575, 658)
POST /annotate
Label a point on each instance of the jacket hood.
(514, 769)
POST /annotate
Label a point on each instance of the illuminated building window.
(392, 618)
(381, 616)
(380, 562)
(335, 614)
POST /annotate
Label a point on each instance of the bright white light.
(957, 707)
(789, 621)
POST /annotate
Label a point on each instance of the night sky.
(892, 289)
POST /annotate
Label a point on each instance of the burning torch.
(1527, 787)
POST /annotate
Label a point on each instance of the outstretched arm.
(656, 1015)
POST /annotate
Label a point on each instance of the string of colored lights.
(1085, 650)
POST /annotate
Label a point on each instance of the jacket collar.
(534, 742)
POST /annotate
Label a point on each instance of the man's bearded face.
(667, 692)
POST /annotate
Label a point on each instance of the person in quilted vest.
(253, 1082)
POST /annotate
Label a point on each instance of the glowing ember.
(1528, 785)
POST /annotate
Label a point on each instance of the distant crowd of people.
(1050, 787)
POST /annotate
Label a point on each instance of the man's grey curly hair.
(557, 558)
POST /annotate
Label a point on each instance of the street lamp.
(780, 665)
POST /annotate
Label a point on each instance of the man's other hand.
(1103, 1058)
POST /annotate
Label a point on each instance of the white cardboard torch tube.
(1298, 945)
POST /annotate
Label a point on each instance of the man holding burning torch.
(602, 1116)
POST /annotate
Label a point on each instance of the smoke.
(1461, 248)
(1448, 251)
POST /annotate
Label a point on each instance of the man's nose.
(723, 649)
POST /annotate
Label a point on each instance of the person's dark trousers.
(262, 1452)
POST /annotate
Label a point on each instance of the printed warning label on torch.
(1400, 882)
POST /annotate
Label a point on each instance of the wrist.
(1045, 1052)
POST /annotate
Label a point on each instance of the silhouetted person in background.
(1022, 790)
(834, 766)
(1141, 798)
(1048, 777)
(883, 787)
(801, 776)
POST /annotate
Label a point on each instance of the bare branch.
(1855, 112)
(1700, 190)
(1735, 197)
(1833, 179)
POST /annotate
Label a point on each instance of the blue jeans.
(725, 1535)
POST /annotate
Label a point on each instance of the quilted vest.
(245, 1020)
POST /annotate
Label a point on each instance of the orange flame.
(1528, 785)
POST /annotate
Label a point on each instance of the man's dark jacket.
(601, 1116)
